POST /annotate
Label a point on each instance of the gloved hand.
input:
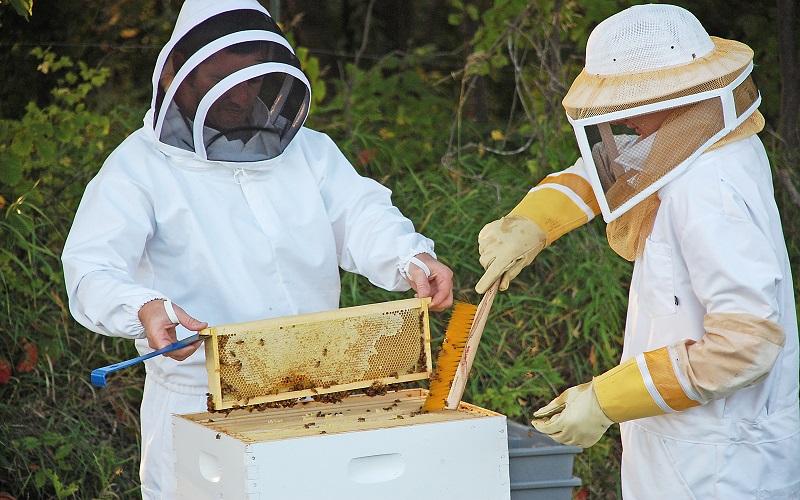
(506, 246)
(575, 417)
(737, 351)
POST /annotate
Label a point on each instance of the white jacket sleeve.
(735, 274)
(103, 252)
(372, 237)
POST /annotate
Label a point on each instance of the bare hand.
(439, 286)
(161, 331)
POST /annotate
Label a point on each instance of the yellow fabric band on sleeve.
(665, 380)
(553, 211)
(578, 185)
(622, 393)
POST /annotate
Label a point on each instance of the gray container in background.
(539, 468)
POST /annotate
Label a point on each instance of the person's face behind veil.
(233, 76)
(234, 108)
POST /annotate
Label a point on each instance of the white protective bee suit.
(706, 392)
(231, 227)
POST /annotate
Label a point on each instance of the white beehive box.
(361, 448)
(364, 446)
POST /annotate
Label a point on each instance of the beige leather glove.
(506, 246)
(737, 351)
(575, 417)
(560, 203)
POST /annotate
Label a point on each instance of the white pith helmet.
(648, 53)
(656, 60)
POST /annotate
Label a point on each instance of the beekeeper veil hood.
(228, 86)
(656, 92)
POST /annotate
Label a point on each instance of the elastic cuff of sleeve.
(404, 271)
(425, 246)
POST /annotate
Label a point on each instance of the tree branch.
(788, 130)
(351, 78)
(365, 33)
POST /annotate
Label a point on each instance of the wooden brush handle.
(471, 348)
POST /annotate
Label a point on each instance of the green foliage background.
(433, 118)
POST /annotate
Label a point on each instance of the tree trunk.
(275, 9)
(790, 74)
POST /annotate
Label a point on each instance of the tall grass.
(60, 438)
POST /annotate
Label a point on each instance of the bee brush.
(455, 340)
(457, 355)
(475, 333)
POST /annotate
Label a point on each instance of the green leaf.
(52, 438)
(23, 7)
(22, 144)
(63, 451)
(455, 19)
(599, 10)
(40, 478)
(61, 490)
(319, 91)
(10, 170)
(28, 443)
(47, 151)
(98, 80)
(499, 61)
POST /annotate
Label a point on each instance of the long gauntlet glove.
(560, 203)
(738, 350)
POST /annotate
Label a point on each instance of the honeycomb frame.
(292, 357)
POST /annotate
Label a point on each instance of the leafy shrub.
(60, 438)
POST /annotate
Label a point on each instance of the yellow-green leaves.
(23, 7)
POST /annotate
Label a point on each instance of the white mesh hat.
(640, 62)
(228, 86)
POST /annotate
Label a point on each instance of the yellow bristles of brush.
(455, 338)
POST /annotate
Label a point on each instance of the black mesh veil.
(231, 89)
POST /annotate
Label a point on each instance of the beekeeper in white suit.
(222, 206)
(707, 389)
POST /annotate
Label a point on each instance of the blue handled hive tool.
(99, 374)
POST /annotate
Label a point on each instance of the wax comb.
(276, 359)
(455, 339)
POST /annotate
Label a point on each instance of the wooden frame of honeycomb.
(311, 354)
